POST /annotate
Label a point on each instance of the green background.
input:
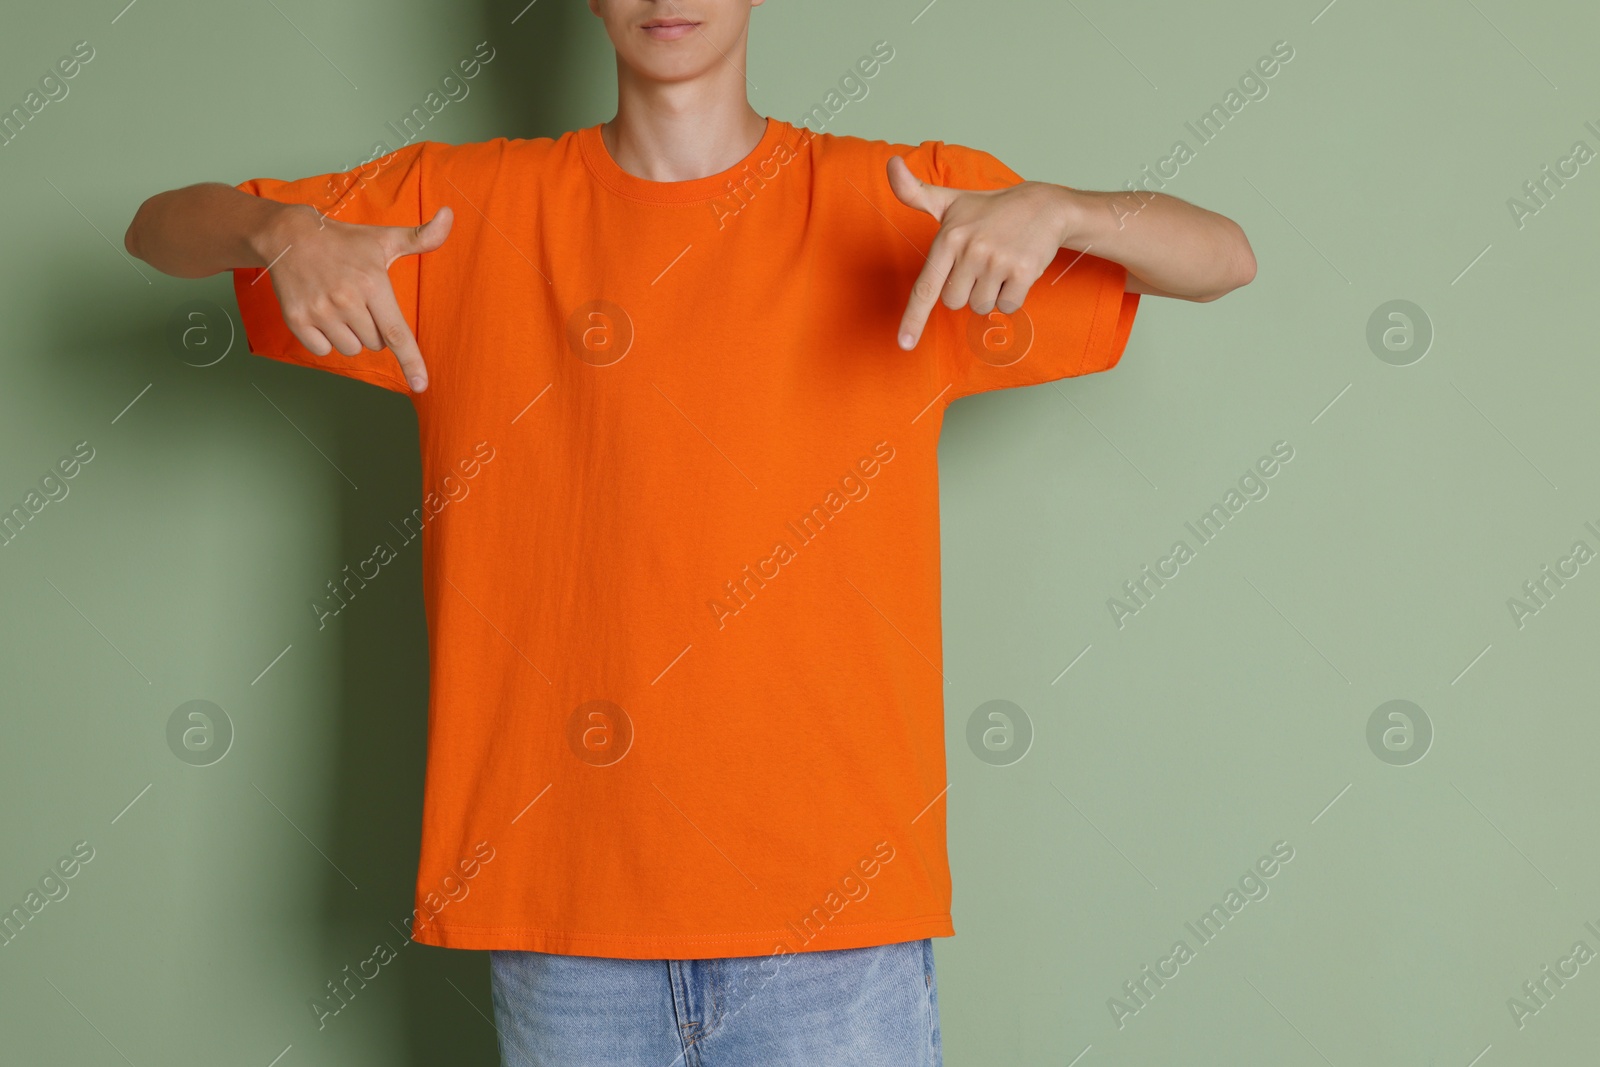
(1230, 713)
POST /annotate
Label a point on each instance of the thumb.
(431, 234)
(915, 193)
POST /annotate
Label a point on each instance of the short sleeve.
(387, 191)
(1075, 320)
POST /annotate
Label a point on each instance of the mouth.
(669, 29)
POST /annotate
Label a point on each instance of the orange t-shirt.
(680, 533)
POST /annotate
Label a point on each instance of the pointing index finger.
(925, 292)
(398, 339)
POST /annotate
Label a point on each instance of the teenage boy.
(686, 769)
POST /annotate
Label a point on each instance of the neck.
(679, 131)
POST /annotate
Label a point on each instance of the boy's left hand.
(992, 245)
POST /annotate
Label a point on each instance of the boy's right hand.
(332, 282)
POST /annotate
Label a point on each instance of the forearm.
(1174, 247)
(208, 228)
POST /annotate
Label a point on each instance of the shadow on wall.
(445, 1009)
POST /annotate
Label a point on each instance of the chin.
(671, 60)
(662, 65)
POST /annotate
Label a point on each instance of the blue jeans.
(853, 1007)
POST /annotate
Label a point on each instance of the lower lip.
(670, 33)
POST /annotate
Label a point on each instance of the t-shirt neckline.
(604, 168)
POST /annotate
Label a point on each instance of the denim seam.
(687, 1027)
